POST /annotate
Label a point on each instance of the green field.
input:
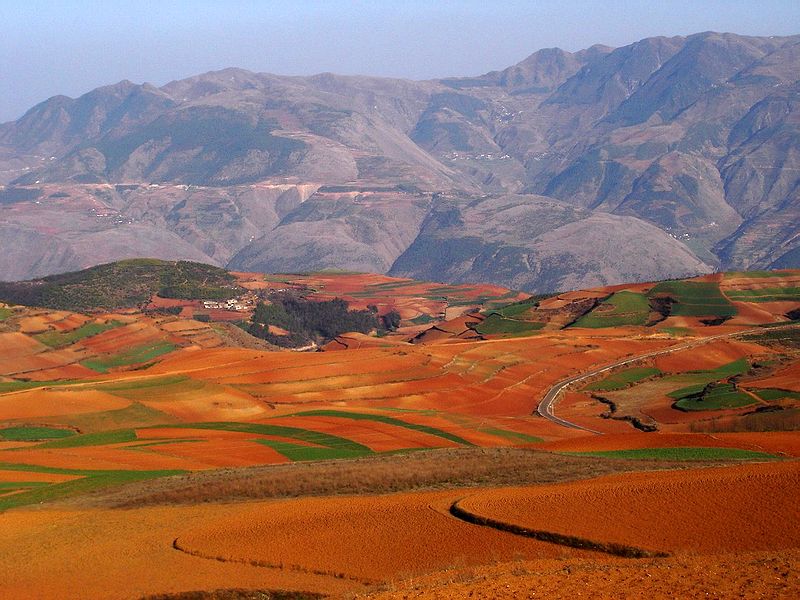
(777, 294)
(325, 447)
(513, 310)
(28, 434)
(495, 324)
(35, 492)
(5, 313)
(695, 299)
(134, 356)
(101, 438)
(59, 339)
(680, 454)
(620, 309)
(623, 379)
(513, 436)
(719, 397)
(772, 394)
(387, 420)
(695, 381)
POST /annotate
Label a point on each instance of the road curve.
(546, 407)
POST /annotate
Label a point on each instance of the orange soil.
(380, 437)
(34, 324)
(209, 405)
(371, 537)
(184, 325)
(216, 453)
(44, 403)
(740, 575)
(24, 476)
(54, 554)
(73, 371)
(724, 509)
(785, 379)
(583, 410)
(115, 340)
(709, 356)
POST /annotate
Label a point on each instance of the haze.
(50, 48)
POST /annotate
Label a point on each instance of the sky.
(70, 47)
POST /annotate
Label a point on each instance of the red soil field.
(44, 403)
(740, 575)
(787, 378)
(711, 356)
(379, 437)
(14, 476)
(726, 509)
(370, 538)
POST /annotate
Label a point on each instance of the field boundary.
(254, 562)
(572, 541)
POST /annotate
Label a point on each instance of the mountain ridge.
(694, 137)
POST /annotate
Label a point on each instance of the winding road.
(546, 407)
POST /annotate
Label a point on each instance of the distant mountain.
(667, 157)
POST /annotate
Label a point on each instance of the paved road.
(546, 407)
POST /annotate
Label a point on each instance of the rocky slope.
(666, 157)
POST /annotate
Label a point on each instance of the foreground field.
(365, 544)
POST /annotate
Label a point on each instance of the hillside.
(665, 158)
(123, 284)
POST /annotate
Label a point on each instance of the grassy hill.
(123, 284)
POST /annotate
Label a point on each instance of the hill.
(560, 172)
(123, 284)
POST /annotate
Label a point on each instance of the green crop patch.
(513, 436)
(680, 454)
(623, 379)
(495, 324)
(33, 434)
(620, 309)
(102, 438)
(776, 294)
(303, 435)
(88, 481)
(695, 299)
(160, 389)
(697, 380)
(140, 354)
(138, 384)
(297, 452)
(718, 397)
(134, 415)
(59, 339)
(5, 313)
(773, 394)
(388, 421)
(16, 386)
(513, 310)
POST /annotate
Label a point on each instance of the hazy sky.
(70, 47)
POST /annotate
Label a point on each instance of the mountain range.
(668, 157)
